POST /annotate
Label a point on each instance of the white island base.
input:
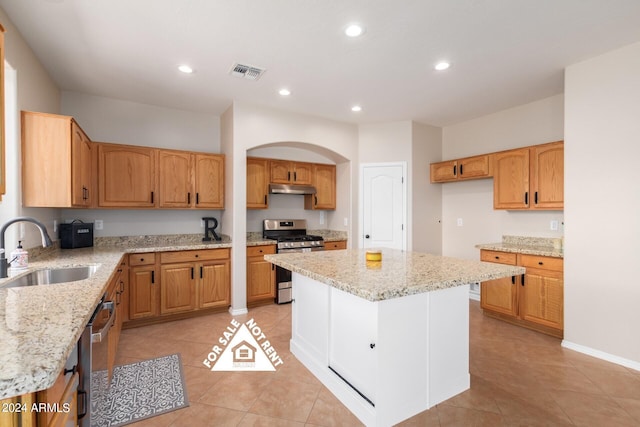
(384, 360)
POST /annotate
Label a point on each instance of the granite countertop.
(399, 274)
(40, 325)
(541, 246)
(255, 238)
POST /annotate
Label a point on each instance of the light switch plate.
(99, 224)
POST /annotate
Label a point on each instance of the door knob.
(366, 236)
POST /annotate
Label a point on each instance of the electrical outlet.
(99, 224)
(321, 217)
(554, 225)
(202, 223)
(346, 222)
(459, 222)
(55, 226)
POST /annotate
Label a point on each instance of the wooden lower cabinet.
(335, 245)
(143, 287)
(534, 300)
(178, 282)
(261, 275)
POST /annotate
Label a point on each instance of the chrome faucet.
(46, 240)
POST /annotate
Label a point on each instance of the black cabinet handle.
(295, 176)
(265, 199)
(197, 198)
(189, 198)
(366, 236)
(372, 345)
(513, 280)
(454, 170)
(523, 280)
(461, 169)
(540, 263)
(73, 370)
(201, 272)
(152, 197)
(273, 267)
(535, 198)
(191, 273)
(153, 277)
(526, 197)
(288, 176)
(497, 257)
(316, 197)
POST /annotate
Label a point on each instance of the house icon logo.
(243, 347)
(244, 354)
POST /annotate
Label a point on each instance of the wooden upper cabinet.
(257, 183)
(209, 181)
(127, 176)
(530, 178)
(324, 180)
(547, 176)
(475, 167)
(289, 172)
(175, 172)
(511, 179)
(56, 162)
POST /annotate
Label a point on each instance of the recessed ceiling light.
(443, 65)
(354, 30)
(284, 92)
(185, 69)
(356, 108)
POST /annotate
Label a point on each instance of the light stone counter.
(40, 325)
(399, 274)
(541, 246)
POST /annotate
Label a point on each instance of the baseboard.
(601, 355)
(237, 311)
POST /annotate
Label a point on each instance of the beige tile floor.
(518, 378)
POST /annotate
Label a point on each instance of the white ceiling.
(503, 52)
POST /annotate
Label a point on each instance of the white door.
(384, 206)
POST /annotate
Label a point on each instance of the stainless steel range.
(291, 235)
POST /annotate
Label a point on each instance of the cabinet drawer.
(142, 259)
(498, 257)
(260, 250)
(198, 255)
(339, 244)
(542, 262)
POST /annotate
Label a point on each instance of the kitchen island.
(390, 339)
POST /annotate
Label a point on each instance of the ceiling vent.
(248, 72)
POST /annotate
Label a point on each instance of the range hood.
(291, 189)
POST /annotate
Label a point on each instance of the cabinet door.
(257, 183)
(474, 167)
(511, 179)
(175, 170)
(177, 288)
(547, 176)
(302, 173)
(542, 299)
(324, 180)
(261, 275)
(81, 161)
(444, 171)
(500, 295)
(353, 326)
(280, 171)
(142, 292)
(126, 176)
(215, 284)
(209, 181)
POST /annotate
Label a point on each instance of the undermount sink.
(50, 276)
